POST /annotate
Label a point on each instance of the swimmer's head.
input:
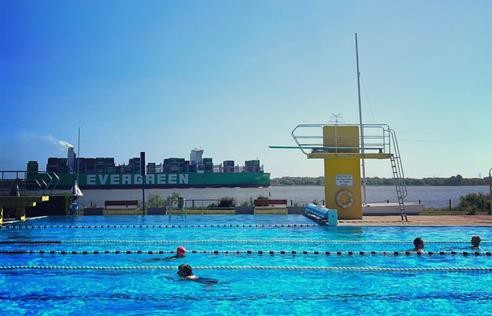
(181, 251)
(418, 243)
(475, 241)
(184, 270)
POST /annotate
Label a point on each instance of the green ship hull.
(157, 180)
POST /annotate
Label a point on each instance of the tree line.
(434, 181)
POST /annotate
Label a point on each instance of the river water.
(430, 196)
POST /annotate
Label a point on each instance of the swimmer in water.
(186, 273)
(418, 244)
(180, 253)
(475, 241)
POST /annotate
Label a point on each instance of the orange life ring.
(344, 198)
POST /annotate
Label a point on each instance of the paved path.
(421, 220)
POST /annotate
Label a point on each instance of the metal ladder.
(182, 210)
(398, 176)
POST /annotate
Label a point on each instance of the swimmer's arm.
(416, 250)
(170, 258)
(163, 259)
(205, 280)
(171, 278)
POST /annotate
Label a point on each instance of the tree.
(227, 202)
(155, 200)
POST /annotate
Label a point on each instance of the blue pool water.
(244, 290)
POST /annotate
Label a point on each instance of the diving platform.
(328, 155)
(343, 147)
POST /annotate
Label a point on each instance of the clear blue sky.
(234, 77)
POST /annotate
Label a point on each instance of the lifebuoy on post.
(344, 198)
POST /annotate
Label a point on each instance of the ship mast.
(361, 127)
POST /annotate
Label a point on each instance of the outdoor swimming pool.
(102, 265)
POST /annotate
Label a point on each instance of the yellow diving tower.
(343, 150)
(344, 147)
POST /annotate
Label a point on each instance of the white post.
(490, 191)
(364, 201)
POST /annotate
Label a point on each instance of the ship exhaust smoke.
(60, 144)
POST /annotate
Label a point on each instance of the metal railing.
(398, 176)
(30, 186)
(377, 138)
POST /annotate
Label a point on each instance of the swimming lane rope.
(255, 267)
(227, 241)
(159, 226)
(250, 252)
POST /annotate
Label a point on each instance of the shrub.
(227, 202)
(470, 210)
(155, 200)
(248, 202)
(474, 202)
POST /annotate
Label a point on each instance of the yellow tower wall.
(342, 173)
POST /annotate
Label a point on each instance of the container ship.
(102, 173)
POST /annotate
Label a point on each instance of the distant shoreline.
(457, 180)
(386, 185)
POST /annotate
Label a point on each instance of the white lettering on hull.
(135, 179)
(126, 179)
(171, 179)
(91, 179)
(114, 179)
(161, 178)
(103, 178)
(150, 178)
(183, 179)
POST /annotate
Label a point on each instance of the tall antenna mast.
(361, 127)
(336, 117)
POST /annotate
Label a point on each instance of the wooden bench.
(91, 211)
(270, 206)
(121, 205)
(268, 202)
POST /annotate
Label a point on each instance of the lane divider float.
(159, 226)
(255, 267)
(227, 241)
(251, 252)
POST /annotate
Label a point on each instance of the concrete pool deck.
(421, 220)
(372, 220)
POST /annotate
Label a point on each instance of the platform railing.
(377, 138)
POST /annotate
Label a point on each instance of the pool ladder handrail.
(398, 176)
(182, 208)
